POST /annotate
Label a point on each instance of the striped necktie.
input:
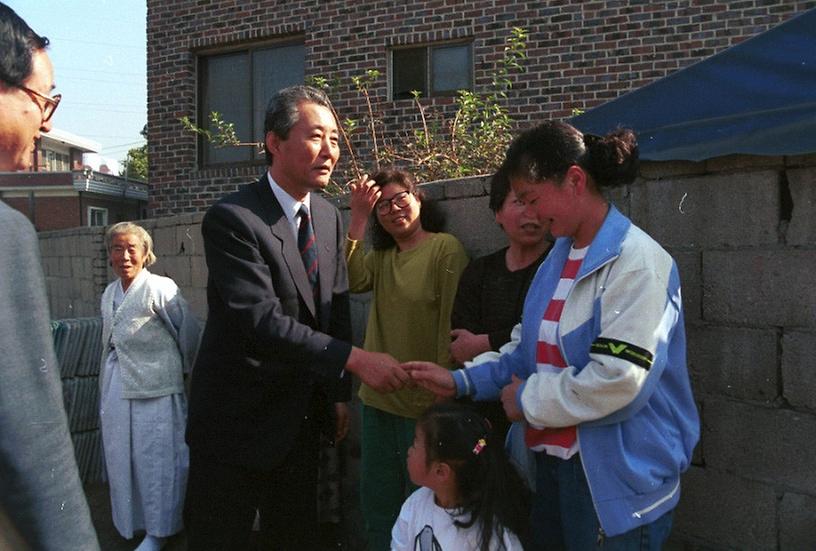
(307, 247)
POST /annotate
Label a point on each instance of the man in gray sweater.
(42, 504)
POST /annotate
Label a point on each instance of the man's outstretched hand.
(379, 371)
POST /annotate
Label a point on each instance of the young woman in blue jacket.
(599, 375)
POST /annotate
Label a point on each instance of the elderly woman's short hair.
(129, 228)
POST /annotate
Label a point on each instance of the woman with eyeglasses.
(413, 271)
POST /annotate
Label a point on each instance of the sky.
(98, 48)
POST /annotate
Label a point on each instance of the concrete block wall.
(742, 231)
(179, 249)
(76, 271)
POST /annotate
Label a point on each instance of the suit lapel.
(282, 231)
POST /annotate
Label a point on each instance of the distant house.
(62, 191)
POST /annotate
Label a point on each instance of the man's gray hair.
(282, 110)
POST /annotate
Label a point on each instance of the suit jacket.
(268, 351)
(40, 489)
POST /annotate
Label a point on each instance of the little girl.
(471, 497)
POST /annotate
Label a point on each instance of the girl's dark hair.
(431, 217)
(548, 150)
(491, 491)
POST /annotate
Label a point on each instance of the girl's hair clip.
(480, 444)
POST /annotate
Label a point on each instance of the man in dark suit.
(275, 351)
(42, 505)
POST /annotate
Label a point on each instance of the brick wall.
(49, 212)
(71, 209)
(118, 209)
(581, 54)
(743, 231)
(46, 198)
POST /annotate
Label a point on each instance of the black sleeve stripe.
(624, 351)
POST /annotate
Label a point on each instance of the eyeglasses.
(50, 103)
(400, 200)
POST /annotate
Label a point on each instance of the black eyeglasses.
(48, 107)
(400, 200)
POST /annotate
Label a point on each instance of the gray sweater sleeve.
(40, 489)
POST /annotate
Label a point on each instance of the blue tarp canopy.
(756, 98)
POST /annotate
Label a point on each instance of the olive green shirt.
(413, 294)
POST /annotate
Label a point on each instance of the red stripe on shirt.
(547, 353)
(561, 437)
(571, 268)
(554, 309)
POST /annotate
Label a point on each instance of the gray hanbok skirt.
(146, 457)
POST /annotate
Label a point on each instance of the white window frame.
(103, 212)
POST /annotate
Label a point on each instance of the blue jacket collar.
(605, 246)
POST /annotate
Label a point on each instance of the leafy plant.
(362, 83)
(474, 140)
(222, 133)
(135, 162)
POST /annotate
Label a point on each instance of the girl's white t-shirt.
(422, 520)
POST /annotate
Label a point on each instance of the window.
(238, 85)
(50, 161)
(433, 70)
(97, 216)
(55, 162)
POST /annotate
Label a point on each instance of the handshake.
(385, 374)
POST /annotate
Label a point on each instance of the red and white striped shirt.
(560, 442)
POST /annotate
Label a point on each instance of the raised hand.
(432, 377)
(364, 195)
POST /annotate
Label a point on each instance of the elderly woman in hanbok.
(150, 339)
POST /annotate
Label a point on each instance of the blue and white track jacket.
(626, 386)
